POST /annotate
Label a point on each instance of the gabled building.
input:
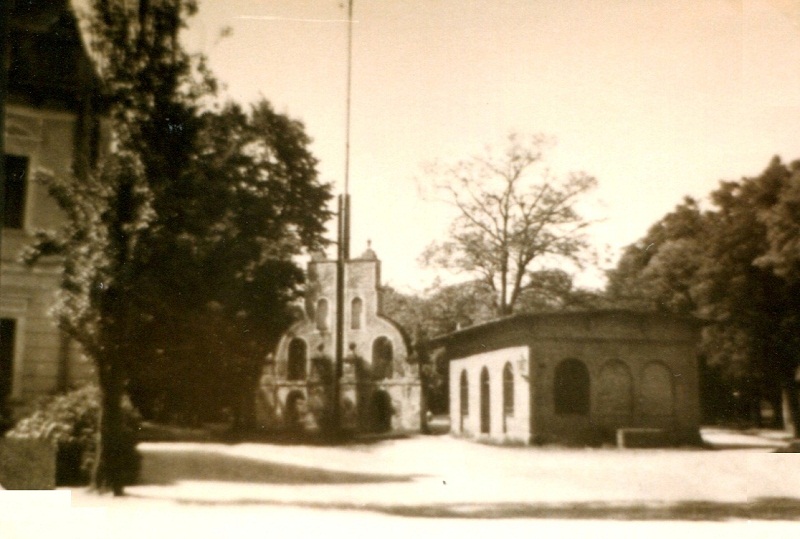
(51, 123)
(380, 388)
(575, 378)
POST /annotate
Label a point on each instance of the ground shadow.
(726, 446)
(156, 432)
(759, 509)
(164, 467)
(344, 439)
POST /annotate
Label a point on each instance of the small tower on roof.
(369, 254)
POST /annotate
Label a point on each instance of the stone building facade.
(380, 388)
(577, 378)
(51, 124)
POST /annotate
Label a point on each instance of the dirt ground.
(441, 484)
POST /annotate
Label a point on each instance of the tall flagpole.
(343, 241)
(346, 238)
(348, 93)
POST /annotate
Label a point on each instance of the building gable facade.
(52, 124)
(380, 389)
(575, 378)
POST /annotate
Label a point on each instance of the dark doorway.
(381, 412)
(294, 410)
(485, 402)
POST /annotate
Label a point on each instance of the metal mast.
(343, 240)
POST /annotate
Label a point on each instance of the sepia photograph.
(462, 267)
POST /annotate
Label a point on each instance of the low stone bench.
(791, 447)
(27, 464)
(643, 438)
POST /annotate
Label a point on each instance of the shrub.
(72, 422)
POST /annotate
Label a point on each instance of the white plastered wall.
(517, 425)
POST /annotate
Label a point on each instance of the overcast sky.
(657, 99)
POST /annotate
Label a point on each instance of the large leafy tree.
(733, 266)
(555, 290)
(513, 218)
(658, 271)
(742, 289)
(220, 264)
(177, 247)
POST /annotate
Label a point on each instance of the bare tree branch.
(511, 214)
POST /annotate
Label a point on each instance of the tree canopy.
(177, 246)
(220, 267)
(732, 265)
(513, 218)
(656, 271)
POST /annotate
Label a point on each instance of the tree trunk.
(108, 470)
(791, 407)
(777, 411)
(244, 420)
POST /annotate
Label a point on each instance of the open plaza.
(736, 485)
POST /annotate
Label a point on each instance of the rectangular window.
(16, 167)
(8, 330)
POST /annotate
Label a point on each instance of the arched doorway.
(381, 412)
(382, 358)
(571, 388)
(485, 402)
(463, 395)
(508, 395)
(294, 410)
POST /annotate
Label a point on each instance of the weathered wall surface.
(380, 389)
(52, 125)
(591, 373)
(43, 360)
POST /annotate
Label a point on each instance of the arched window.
(508, 393)
(614, 391)
(322, 315)
(571, 388)
(356, 312)
(296, 368)
(464, 398)
(16, 183)
(485, 402)
(382, 358)
(657, 392)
